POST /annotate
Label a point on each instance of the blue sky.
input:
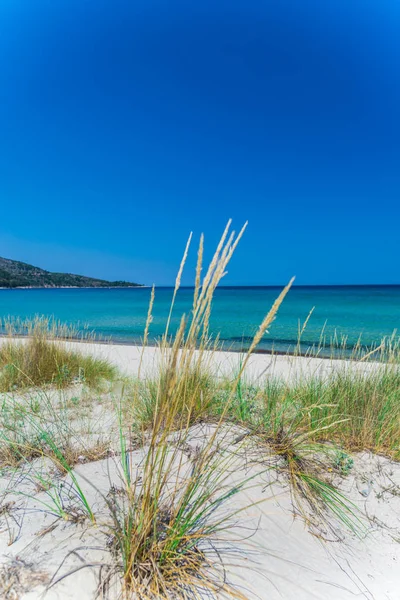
(124, 125)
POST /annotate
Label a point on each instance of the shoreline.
(136, 360)
(231, 350)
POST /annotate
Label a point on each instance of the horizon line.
(301, 285)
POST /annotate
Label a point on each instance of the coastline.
(343, 323)
(75, 287)
(153, 344)
(132, 358)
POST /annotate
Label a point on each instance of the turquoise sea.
(120, 314)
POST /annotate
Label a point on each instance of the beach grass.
(46, 423)
(43, 358)
(357, 409)
(167, 515)
(197, 391)
(166, 518)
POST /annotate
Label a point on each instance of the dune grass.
(196, 396)
(44, 423)
(362, 410)
(43, 358)
(38, 415)
(359, 410)
(311, 424)
(165, 520)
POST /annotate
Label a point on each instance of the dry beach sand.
(128, 359)
(268, 552)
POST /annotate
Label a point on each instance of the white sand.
(127, 358)
(269, 554)
(276, 556)
(289, 368)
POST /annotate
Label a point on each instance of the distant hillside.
(15, 274)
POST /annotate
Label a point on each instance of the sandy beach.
(260, 366)
(200, 175)
(269, 552)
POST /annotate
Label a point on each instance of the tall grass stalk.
(169, 510)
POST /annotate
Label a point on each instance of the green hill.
(15, 274)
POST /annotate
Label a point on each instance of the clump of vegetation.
(144, 397)
(308, 467)
(278, 426)
(360, 409)
(312, 423)
(343, 462)
(368, 401)
(43, 358)
(165, 520)
(359, 405)
(42, 420)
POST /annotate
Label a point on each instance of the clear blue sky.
(126, 124)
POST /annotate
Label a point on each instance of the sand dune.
(269, 552)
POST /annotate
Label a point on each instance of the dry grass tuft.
(43, 359)
(166, 520)
(300, 439)
(309, 468)
(195, 397)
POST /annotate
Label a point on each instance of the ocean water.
(120, 314)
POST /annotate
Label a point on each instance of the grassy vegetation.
(357, 409)
(45, 423)
(165, 519)
(166, 515)
(43, 358)
(36, 419)
(311, 425)
(196, 397)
